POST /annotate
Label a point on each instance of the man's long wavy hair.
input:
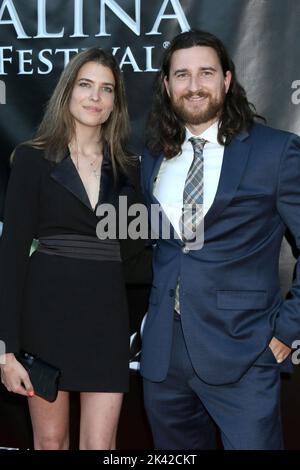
(57, 127)
(166, 131)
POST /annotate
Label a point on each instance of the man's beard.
(212, 110)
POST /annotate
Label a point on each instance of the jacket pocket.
(251, 200)
(242, 299)
(266, 358)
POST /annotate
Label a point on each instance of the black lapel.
(234, 163)
(107, 186)
(65, 173)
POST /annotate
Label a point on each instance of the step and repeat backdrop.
(38, 38)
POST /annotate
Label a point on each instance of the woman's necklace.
(95, 169)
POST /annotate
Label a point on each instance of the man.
(216, 359)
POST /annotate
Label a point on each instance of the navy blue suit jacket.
(231, 302)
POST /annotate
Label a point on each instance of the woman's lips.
(92, 109)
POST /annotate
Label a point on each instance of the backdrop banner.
(38, 38)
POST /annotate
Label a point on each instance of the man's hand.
(279, 349)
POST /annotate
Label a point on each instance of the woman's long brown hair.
(57, 127)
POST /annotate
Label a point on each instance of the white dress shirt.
(170, 180)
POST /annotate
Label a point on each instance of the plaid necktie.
(193, 192)
(192, 212)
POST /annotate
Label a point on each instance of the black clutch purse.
(43, 376)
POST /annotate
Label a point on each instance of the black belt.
(80, 246)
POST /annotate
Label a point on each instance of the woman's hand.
(14, 377)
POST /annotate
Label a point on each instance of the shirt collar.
(210, 134)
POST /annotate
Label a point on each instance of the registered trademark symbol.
(166, 44)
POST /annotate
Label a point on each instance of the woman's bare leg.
(50, 422)
(100, 414)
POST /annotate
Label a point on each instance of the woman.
(66, 303)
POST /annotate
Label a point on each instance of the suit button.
(185, 250)
(171, 292)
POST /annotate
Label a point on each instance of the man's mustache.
(198, 94)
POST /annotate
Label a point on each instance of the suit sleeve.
(20, 222)
(288, 203)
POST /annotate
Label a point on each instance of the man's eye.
(181, 75)
(84, 84)
(108, 89)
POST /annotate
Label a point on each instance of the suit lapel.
(234, 163)
(107, 178)
(65, 173)
(153, 177)
(165, 225)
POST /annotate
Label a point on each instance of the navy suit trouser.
(184, 411)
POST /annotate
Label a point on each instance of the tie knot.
(198, 144)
